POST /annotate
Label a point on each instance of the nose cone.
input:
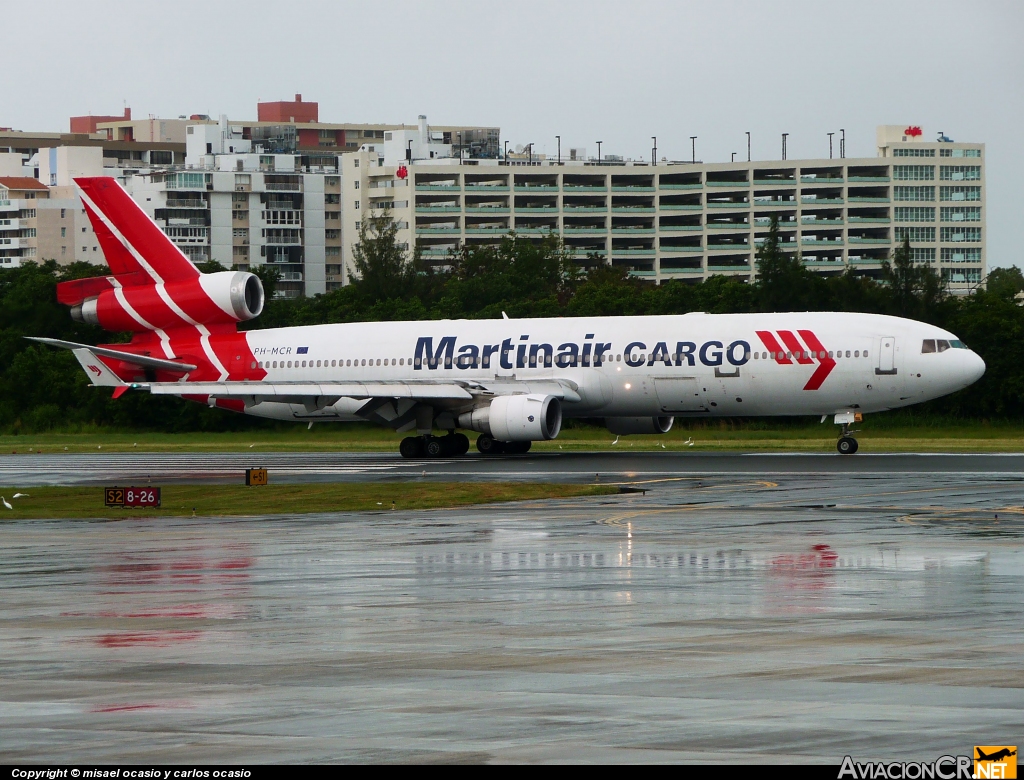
(972, 368)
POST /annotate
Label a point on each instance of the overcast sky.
(588, 71)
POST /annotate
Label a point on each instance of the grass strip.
(239, 500)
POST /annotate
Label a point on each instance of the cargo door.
(680, 394)
(886, 355)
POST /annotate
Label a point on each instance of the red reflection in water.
(153, 705)
(146, 638)
(820, 556)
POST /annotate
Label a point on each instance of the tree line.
(45, 389)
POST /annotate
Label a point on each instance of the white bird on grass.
(6, 502)
(689, 442)
(21, 495)
(616, 440)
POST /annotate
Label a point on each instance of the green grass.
(880, 433)
(239, 500)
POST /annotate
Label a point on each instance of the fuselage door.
(680, 394)
(886, 355)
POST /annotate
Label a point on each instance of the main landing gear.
(434, 446)
(488, 445)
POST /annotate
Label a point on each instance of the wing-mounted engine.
(622, 426)
(532, 417)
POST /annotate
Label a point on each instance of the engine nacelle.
(622, 426)
(533, 417)
(225, 296)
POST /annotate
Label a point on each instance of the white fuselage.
(687, 365)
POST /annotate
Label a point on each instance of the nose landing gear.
(847, 445)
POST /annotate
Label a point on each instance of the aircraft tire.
(435, 447)
(488, 445)
(847, 445)
(411, 447)
(459, 443)
(518, 447)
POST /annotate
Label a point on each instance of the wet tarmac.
(785, 615)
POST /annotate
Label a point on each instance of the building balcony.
(11, 224)
(632, 231)
(438, 187)
(773, 203)
(884, 220)
(681, 207)
(436, 251)
(632, 209)
(736, 185)
(728, 226)
(487, 209)
(632, 252)
(485, 231)
(774, 182)
(837, 243)
(679, 228)
(862, 240)
(537, 209)
(587, 209)
(697, 186)
(672, 250)
(810, 199)
(535, 230)
(636, 188)
(860, 199)
(485, 187)
(12, 243)
(642, 274)
(816, 221)
(868, 178)
(577, 251)
(673, 271)
(186, 204)
(729, 247)
(438, 209)
(575, 231)
(733, 268)
(436, 231)
(821, 179)
(582, 188)
(740, 205)
(536, 188)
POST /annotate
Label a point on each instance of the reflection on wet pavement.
(785, 617)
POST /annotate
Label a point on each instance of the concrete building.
(690, 221)
(20, 197)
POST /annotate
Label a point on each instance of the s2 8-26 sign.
(132, 496)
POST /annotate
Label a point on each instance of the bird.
(380, 503)
(251, 446)
(6, 502)
(663, 446)
(99, 446)
(21, 495)
(135, 444)
(616, 440)
(65, 449)
(689, 442)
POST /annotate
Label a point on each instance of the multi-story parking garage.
(693, 220)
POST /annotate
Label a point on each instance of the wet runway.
(785, 615)
(162, 468)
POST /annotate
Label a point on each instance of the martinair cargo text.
(511, 381)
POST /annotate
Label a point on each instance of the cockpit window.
(942, 345)
(958, 345)
(928, 345)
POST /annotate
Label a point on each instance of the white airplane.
(510, 381)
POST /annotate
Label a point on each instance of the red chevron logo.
(804, 353)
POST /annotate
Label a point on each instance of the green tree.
(1005, 282)
(385, 268)
(915, 290)
(783, 284)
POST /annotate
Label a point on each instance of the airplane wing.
(129, 357)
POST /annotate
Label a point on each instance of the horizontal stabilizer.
(128, 357)
(98, 372)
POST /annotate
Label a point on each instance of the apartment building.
(20, 197)
(691, 221)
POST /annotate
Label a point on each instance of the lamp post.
(599, 152)
(748, 146)
(842, 143)
(654, 152)
(559, 139)
(830, 145)
(693, 149)
(784, 137)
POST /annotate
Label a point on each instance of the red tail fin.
(133, 244)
